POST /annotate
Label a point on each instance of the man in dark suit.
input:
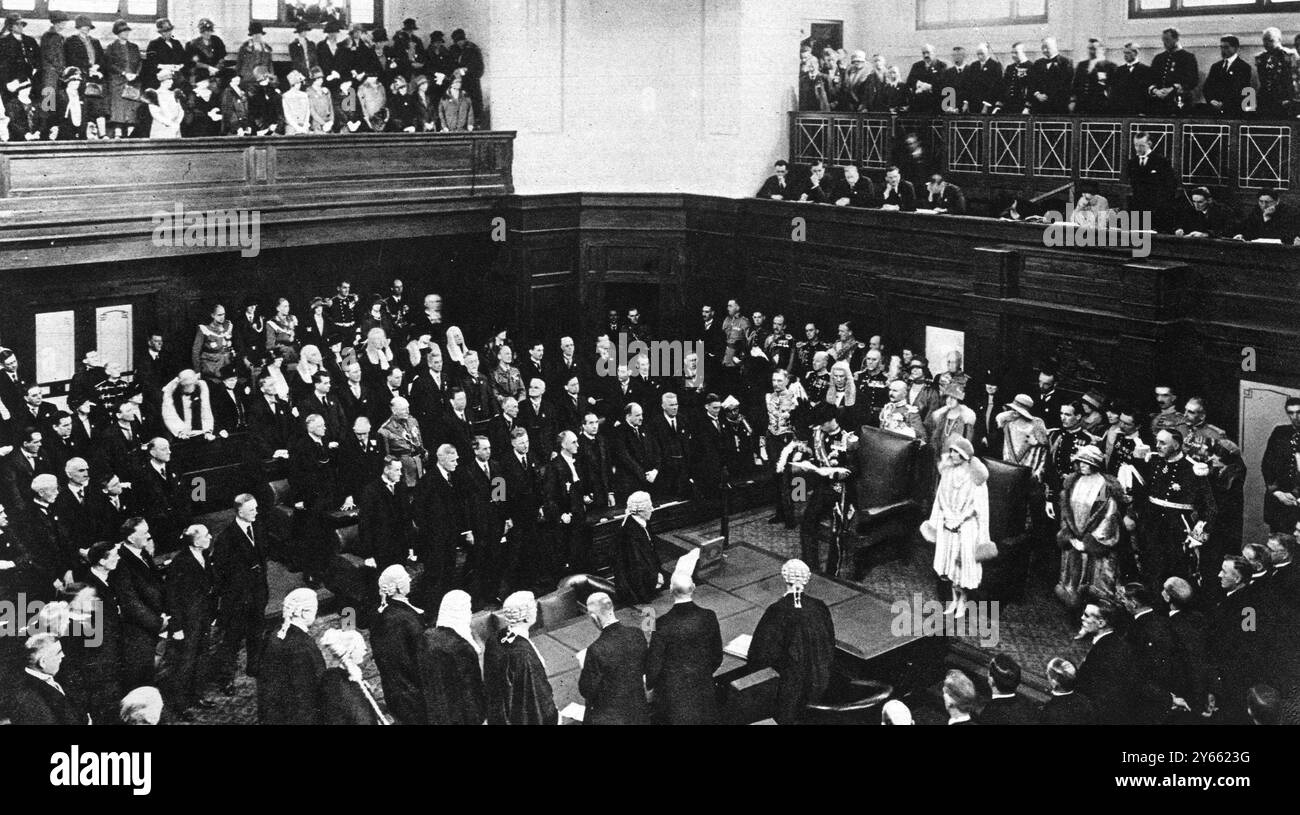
(46, 537)
(430, 387)
(897, 195)
(484, 486)
(36, 412)
(1235, 648)
(565, 498)
(83, 429)
(674, 440)
(532, 366)
(24, 463)
(685, 651)
(925, 82)
(538, 417)
(360, 459)
(314, 482)
(612, 681)
(593, 452)
(501, 428)
(988, 435)
(230, 402)
(110, 506)
(1066, 705)
(1092, 78)
(456, 428)
(1006, 706)
(524, 508)
(382, 396)
(12, 386)
(1152, 183)
(239, 576)
(1128, 95)
(191, 600)
(442, 515)
(1174, 77)
(570, 403)
(321, 402)
(137, 583)
(97, 688)
(1109, 674)
(271, 422)
(983, 81)
(777, 187)
(1050, 81)
(74, 504)
(566, 366)
(1151, 641)
(353, 395)
(853, 190)
(1189, 667)
(39, 698)
(384, 517)
(636, 456)
(1226, 83)
(941, 195)
(162, 496)
(714, 445)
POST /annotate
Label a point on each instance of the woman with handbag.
(959, 523)
(84, 52)
(124, 87)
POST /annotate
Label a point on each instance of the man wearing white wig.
(401, 653)
(288, 686)
(454, 680)
(796, 638)
(514, 675)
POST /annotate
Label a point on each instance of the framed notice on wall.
(113, 334)
(56, 342)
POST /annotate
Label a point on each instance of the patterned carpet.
(1032, 632)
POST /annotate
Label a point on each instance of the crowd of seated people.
(1171, 84)
(71, 86)
(916, 182)
(383, 408)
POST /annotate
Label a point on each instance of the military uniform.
(1015, 84)
(1174, 68)
(1062, 444)
(816, 384)
(342, 315)
(1198, 440)
(1171, 419)
(901, 419)
(804, 351)
(873, 389)
(1276, 83)
(780, 350)
(1176, 499)
(827, 496)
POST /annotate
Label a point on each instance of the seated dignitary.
(1006, 706)
(514, 675)
(612, 678)
(795, 637)
(1066, 705)
(685, 651)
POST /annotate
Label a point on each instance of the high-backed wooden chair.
(887, 509)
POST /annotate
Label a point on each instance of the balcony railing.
(1035, 151)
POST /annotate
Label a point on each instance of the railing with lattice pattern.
(1229, 154)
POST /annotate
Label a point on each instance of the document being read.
(739, 647)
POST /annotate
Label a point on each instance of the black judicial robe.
(402, 656)
(799, 644)
(515, 683)
(343, 701)
(685, 650)
(289, 682)
(611, 679)
(636, 566)
(454, 681)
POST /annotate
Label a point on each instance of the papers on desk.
(573, 711)
(739, 647)
(581, 656)
(1267, 240)
(928, 212)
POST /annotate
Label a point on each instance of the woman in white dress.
(959, 522)
(165, 109)
(296, 106)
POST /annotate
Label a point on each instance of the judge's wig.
(796, 575)
(520, 608)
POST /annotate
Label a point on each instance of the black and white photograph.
(687, 362)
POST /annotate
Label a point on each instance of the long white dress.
(959, 521)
